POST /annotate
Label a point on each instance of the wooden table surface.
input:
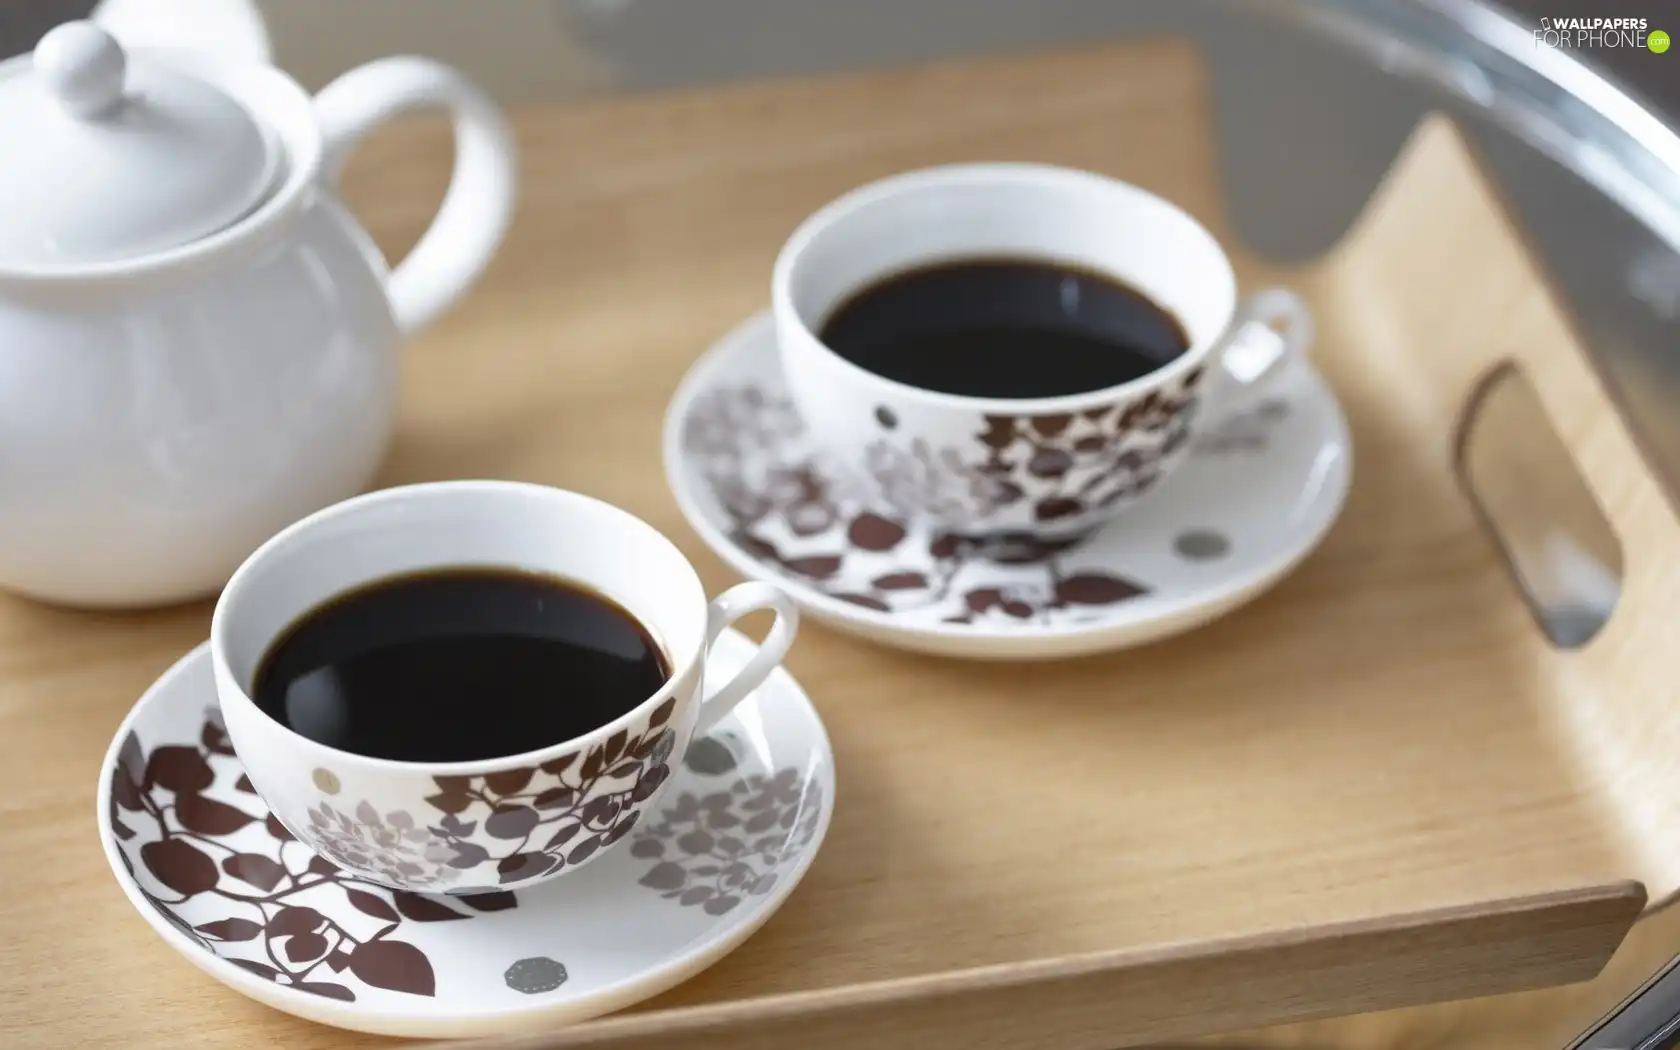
(647, 228)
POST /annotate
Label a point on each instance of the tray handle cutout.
(1468, 298)
(1528, 492)
(1539, 343)
(1616, 705)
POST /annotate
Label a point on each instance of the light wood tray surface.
(1375, 787)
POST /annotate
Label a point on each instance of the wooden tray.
(1379, 785)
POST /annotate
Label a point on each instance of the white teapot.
(198, 344)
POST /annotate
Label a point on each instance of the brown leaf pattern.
(714, 850)
(754, 460)
(1061, 466)
(536, 821)
(390, 844)
(288, 916)
(517, 823)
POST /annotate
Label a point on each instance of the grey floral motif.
(393, 845)
(713, 851)
(921, 480)
(535, 975)
(750, 414)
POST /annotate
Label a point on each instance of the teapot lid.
(107, 158)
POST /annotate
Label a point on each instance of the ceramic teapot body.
(163, 413)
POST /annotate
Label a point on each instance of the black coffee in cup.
(458, 665)
(1004, 328)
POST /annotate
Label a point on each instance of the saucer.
(1257, 494)
(229, 888)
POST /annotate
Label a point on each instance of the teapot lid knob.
(83, 66)
(125, 152)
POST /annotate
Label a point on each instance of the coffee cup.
(1050, 465)
(503, 821)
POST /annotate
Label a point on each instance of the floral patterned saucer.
(228, 887)
(1256, 496)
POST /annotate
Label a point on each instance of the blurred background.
(528, 50)
(1307, 126)
(1306, 130)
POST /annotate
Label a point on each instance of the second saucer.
(1257, 495)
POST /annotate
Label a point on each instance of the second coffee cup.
(472, 685)
(1016, 347)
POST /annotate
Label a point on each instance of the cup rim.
(681, 664)
(997, 173)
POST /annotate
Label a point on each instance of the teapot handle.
(478, 205)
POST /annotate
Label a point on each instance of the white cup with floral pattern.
(1049, 466)
(513, 820)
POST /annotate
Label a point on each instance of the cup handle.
(1273, 329)
(725, 609)
(478, 205)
